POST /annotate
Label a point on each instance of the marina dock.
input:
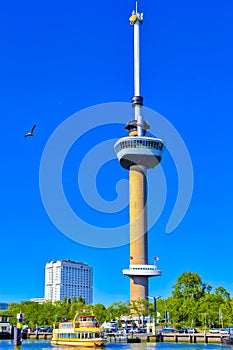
(171, 337)
(37, 335)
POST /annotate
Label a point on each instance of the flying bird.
(30, 133)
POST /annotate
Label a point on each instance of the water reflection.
(46, 345)
(73, 347)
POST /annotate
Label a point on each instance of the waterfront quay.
(37, 335)
(190, 338)
(168, 337)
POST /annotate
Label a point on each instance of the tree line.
(192, 303)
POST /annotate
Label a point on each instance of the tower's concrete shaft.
(138, 229)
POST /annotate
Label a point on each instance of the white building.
(38, 300)
(5, 326)
(65, 278)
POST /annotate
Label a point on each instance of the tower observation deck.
(137, 153)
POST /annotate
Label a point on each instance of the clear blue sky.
(58, 58)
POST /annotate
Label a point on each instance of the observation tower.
(137, 153)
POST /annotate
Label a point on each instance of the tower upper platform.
(142, 270)
(139, 150)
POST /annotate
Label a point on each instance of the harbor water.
(45, 344)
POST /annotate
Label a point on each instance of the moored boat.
(228, 340)
(83, 331)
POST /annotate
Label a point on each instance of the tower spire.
(136, 20)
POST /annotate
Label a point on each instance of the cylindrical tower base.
(138, 229)
(138, 288)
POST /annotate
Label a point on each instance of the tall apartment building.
(65, 278)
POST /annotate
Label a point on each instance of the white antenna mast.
(136, 20)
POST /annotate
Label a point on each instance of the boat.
(229, 339)
(83, 331)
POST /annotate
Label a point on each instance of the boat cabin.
(84, 321)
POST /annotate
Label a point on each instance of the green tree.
(189, 284)
(139, 307)
(116, 310)
(221, 292)
(187, 294)
(227, 312)
(47, 314)
(81, 300)
(100, 312)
